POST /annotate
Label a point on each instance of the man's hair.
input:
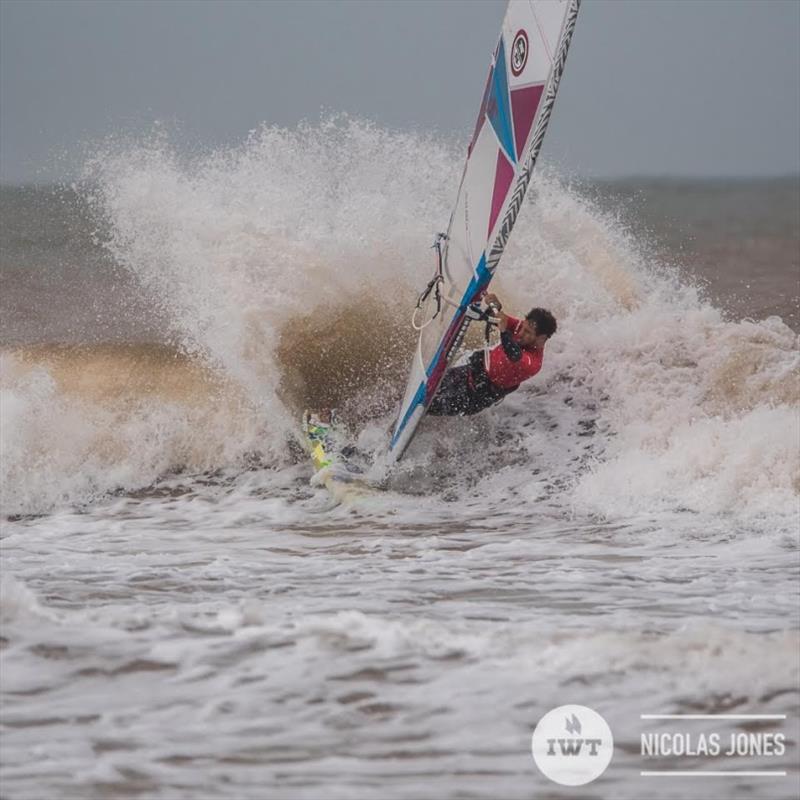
(545, 322)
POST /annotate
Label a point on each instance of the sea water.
(185, 615)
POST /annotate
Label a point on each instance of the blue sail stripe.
(418, 398)
(498, 109)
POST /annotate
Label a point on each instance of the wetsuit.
(488, 377)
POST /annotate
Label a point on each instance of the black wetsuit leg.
(466, 390)
(453, 395)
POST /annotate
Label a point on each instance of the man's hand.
(492, 300)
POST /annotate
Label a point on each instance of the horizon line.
(633, 176)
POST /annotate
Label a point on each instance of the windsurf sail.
(514, 112)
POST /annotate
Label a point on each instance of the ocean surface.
(186, 615)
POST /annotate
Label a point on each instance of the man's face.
(528, 337)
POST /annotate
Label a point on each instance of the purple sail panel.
(504, 174)
(524, 104)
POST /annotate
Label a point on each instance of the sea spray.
(287, 269)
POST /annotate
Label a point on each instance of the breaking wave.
(287, 269)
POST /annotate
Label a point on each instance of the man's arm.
(512, 350)
(506, 324)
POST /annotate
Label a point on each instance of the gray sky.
(657, 87)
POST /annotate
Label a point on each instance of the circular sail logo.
(519, 53)
(572, 745)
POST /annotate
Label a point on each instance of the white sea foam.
(649, 400)
(18, 602)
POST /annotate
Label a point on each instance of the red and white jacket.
(508, 364)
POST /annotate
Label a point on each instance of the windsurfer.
(492, 373)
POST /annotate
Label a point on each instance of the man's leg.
(484, 395)
(453, 396)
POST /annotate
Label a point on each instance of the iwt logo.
(572, 745)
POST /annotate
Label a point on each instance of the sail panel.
(524, 104)
(503, 175)
(497, 108)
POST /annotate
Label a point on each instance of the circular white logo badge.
(572, 745)
(519, 52)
